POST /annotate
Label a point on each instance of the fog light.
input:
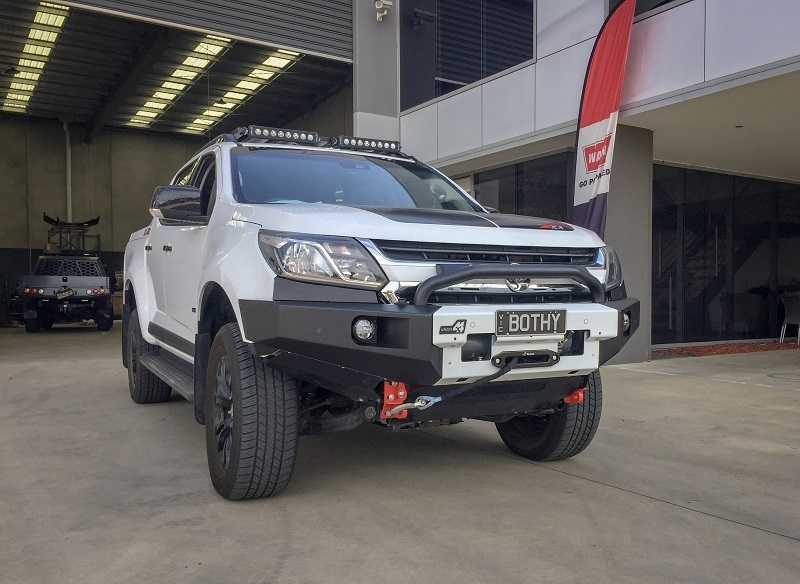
(626, 322)
(364, 329)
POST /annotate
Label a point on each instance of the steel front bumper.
(314, 339)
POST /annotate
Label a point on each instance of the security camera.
(383, 6)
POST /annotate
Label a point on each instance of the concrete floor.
(693, 477)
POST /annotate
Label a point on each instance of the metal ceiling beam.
(127, 85)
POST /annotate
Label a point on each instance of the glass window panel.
(497, 188)
(447, 44)
(545, 187)
(642, 5)
(754, 208)
(668, 186)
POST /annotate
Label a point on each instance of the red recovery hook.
(395, 393)
(576, 397)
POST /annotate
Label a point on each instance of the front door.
(183, 261)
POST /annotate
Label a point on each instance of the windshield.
(307, 176)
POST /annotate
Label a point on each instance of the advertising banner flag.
(597, 121)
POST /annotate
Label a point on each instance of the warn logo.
(594, 155)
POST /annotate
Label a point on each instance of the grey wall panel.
(113, 177)
(323, 27)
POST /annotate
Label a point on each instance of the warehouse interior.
(96, 110)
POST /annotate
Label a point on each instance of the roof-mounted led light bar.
(372, 144)
(275, 135)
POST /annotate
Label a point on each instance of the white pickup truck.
(292, 285)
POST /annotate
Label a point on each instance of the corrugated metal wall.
(324, 27)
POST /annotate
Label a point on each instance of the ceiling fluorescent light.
(234, 95)
(225, 104)
(18, 96)
(51, 5)
(49, 19)
(155, 105)
(175, 86)
(285, 52)
(27, 75)
(196, 128)
(248, 85)
(42, 35)
(23, 86)
(36, 50)
(279, 62)
(15, 105)
(204, 122)
(208, 49)
(31, 63)
(195, 62)
(213, 113)
(146, 114)
(163, 95)
(218, 38)
(184, 74)
(261, 74)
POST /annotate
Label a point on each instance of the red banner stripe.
(603, 88)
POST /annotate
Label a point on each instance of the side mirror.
(490, 209)
(178, 204)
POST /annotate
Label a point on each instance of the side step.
(177, 373)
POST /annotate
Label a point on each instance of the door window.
(205, 179)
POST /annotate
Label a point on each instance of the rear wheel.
(251, 413)
(559, 435)
(145, 387)
(31, 325)
(104, 323)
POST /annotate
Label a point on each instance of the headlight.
(322, 259)
(613, 268)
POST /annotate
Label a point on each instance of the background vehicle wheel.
(251, 420)
(31, 325)
(46, 324)
(559, 435)
(104, 323)
(145, 387)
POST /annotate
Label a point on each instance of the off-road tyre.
(562, 434)
(145, 387)
(104, 323)
(251, 413)
(31, 325)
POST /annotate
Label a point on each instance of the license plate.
(531, 322)
(64, 293)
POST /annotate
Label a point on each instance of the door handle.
(167, 248)
(148, 247)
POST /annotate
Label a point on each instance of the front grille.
(501, 254)
(69, 267)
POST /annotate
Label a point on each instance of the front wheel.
(251, 420)
(559, 435)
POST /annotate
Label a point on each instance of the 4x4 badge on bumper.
(457, 328)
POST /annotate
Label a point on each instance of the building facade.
(704, 207)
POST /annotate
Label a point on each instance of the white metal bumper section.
(601, 322)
